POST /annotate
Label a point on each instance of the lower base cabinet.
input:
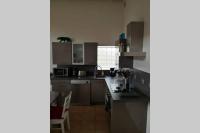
(98, 91)
(129, 117)
(90, 92)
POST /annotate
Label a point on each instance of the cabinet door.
(62, 53)
(90, 53)
(78, 54)
(135, 32)
(98, 91)
(63, 87)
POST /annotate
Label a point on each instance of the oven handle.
(107, 102)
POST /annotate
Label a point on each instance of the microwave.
(62, 72)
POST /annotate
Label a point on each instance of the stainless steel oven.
(80, 92)
(108, 105)
(107, 101)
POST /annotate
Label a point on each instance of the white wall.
(86, 20)
(139, 10)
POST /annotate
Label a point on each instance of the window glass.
(108, 56)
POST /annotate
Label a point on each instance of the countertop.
(109, 82)
(116, 97)
(77, 78)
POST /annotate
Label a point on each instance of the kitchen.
(104, 62)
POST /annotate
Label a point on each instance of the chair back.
(66, 104)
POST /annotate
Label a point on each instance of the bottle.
(128, 48)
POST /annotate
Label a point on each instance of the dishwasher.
(80, 92)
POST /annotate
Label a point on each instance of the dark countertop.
(116, 97)
(77, 78)
(110, 83)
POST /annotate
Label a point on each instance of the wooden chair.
(58, 114)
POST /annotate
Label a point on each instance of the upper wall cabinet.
(62, 53)
(78, 54)
(90, 53)
(74, 54)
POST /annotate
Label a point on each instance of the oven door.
(108, 106)
(107, 102)
(80, 92)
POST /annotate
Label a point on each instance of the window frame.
(117, 53)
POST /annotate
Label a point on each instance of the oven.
(80, 92)
(107, 101)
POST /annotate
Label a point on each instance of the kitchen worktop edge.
(116, 96)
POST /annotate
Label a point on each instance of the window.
(108, 56)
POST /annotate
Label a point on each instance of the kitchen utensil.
(81, 73)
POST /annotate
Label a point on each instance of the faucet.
(95, 71)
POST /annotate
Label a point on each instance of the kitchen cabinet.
(62, 53)
(98, 91)
(63, 87)
(90, 49)
(78, 54)
(129, 117)
(74, 54)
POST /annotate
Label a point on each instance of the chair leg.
(63, 127)
(68, 124)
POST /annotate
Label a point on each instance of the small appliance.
(62, 72)
(81, 73)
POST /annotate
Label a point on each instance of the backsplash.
(88, 68)
(141, 80)
(125, 62)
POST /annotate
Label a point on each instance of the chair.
(58, 114)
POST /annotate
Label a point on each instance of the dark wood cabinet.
(90, 52)
(63, 87)
(135, 31)
(62, 53)
(129, 117)
(98, 91)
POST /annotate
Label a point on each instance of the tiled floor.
(87, 119)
